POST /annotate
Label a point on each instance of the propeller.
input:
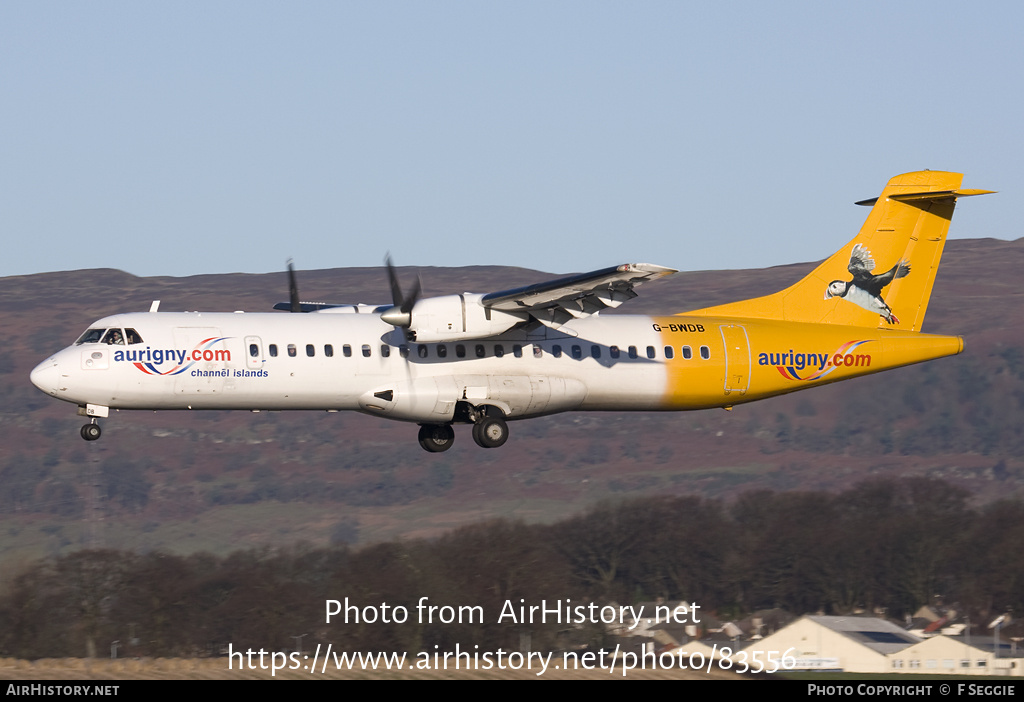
(400, 315)
(293, 289)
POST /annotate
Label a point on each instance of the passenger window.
(499, 350)
(480, 353)
(273, 350)
(669, 352)
(538, 352)
(517, 350)
(328, 350)
(366, 351)
(595, 351)
(403, 351)
(254, 350)
(385, 350)
(556, 351)
(632, 351)
(687, 353)
(310, 350)
(705, 352)
(291, 350)
(346, 351)
(442, 351)
(132, 336)
(577, 352)
(650, 352)
(460, 350)
(422, 351)
(613, 352)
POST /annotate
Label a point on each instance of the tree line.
(884, 544)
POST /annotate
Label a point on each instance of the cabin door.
(737, 358)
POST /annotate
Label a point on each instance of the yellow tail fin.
(884, 276)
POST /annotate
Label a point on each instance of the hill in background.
(219, 481)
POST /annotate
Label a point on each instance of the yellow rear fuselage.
(751, 359)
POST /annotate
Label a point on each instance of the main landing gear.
(91, 431)
(436, 437)
(489, 431)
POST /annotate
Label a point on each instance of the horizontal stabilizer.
(927, 196)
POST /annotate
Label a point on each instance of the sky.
(190, 138)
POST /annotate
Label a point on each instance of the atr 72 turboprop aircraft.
(536, 350)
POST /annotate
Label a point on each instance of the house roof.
(879, 635)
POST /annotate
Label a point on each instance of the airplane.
(486, 359)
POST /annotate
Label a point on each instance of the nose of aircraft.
(46, 376)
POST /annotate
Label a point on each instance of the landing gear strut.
(91, 431)
(436, 437)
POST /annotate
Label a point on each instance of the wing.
(558, 301)
(306, 306)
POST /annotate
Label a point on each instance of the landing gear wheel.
(436, 437)
(91, 432)
(490, 432)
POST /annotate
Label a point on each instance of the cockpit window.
(91, 336)
(114, 337)
(132, 336)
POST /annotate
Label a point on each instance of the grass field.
(57, 669)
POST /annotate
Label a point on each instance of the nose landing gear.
(91, 431)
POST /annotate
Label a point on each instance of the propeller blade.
(293, 288)
(413, 297)
(400, 315)
(396, 289)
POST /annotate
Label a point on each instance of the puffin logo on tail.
(865, 290)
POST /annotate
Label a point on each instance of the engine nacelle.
(457, 318)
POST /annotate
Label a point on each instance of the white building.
(849, 644)
(953, 655)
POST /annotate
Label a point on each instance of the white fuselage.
(355, 361)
